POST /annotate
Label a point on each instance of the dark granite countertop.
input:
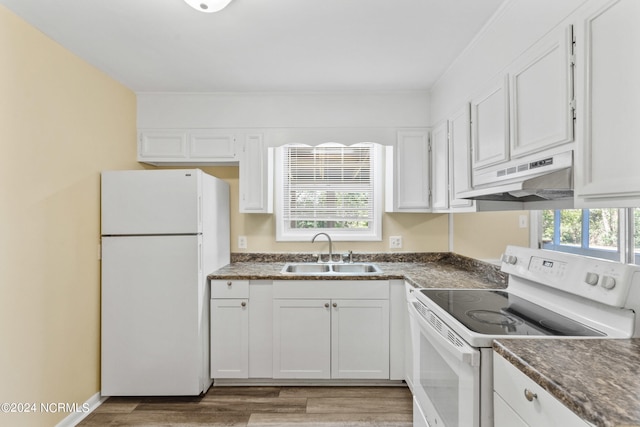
(598, 379)
(427, 270)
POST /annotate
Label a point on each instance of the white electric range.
(549, 295)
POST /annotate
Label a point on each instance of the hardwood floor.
(263, 406)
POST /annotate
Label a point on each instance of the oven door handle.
(453, 345)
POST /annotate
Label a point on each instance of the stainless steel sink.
(306, 268)
(356, 268)
(310, 268)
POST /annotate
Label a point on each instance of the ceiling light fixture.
(208, 6)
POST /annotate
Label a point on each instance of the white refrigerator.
(163, 231)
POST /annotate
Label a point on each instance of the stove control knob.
(591, 279)
(608, 282)
(509, 259)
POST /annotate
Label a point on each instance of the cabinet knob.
(529, 395)
(243, 303)
(229, 283)
(335, 305)
(326, 304)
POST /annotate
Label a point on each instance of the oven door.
(446, 376)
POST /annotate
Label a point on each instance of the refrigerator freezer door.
(151, 202)
(152, 342)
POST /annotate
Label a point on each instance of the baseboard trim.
(74, 418)
(224, 382)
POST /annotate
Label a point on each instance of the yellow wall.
(61, 123)
(420, 232)
(484, 235)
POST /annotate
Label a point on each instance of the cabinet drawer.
(544, 410)
(229, 289)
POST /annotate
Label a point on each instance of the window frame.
(626, 247)
(374, 233)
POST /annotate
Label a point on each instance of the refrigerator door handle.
(199, 213)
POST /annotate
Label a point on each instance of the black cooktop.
(500, 313)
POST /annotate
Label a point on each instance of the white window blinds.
(328, 186)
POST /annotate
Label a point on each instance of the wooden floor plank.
(330, 420)
(262, 407)
(346, 405)
(172, 419)
(232, 404)
(359, 392)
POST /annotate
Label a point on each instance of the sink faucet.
(330, 247)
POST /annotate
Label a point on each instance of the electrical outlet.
(242, 242)
(395, 242)
(522, 221)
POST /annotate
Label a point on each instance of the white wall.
(355, 110)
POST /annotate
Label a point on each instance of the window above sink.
(331, 188)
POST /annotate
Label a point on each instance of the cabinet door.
(301, 338)
(490, 125)
(440, 167)
(212, 145)
(460, 156)
(229, 338)
(411, 172)
(504, 415)
(608, 67)
(541, 93)
(162, 145)
(360, 339)
(256, 187)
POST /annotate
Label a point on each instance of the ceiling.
(264, 45)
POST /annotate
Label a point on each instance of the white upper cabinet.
(256, 176)
(541, 93)
(440, 167)
(490, 124)
(530, 107)
(460, 156)
(162, 145)
(608, 64)
(408, 191)
(186, 147)
(212, 145)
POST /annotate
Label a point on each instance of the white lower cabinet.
(519, 401)
(360, 339)
(310, 330)
(301, 338)
(229, 329)
(339, 331)
(229, 338)
(241, 329)
(504, 415)
(322, 339)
